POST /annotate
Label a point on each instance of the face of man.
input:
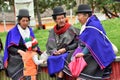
(82, 18)
(60, 20)
(24, 22)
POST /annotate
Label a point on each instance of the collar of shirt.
(25, 33)
(83, 26)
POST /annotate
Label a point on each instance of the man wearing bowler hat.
(98, 51)
(62, 40)
(16, 47)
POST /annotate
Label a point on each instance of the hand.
(35, 49)
(21, 52)
(79, 55)
(6, 64)
(63, 50)
(56, 53)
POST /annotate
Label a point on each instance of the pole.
(4, 19)
(71, 15)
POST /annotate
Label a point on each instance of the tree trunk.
(39, 20)
(78, 2)
(106, 13)
(92, 6)
(115, 10)
(38, 16)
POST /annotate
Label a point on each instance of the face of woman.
(60, 20)
(24, 22)
(82, 18)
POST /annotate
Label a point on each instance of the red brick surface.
(8, 27)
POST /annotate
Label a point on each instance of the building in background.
(25, 4)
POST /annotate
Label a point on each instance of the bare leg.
(60, 74)
(80, 78)
(33, 77)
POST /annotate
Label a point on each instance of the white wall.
(25, 4)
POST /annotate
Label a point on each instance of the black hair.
(54, 17)
(19, 18)
(84, 13)
(89, 14)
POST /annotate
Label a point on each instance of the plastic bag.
(76, 66)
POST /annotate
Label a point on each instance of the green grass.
(3, 37)
(42, 36)
(111, 26)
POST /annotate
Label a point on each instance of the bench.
(43, 73)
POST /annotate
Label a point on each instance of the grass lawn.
(111, 26)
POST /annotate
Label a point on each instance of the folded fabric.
(76, 66)
(56, 63)
(77, 50)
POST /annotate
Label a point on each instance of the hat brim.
(83, 11)
(23, 16)
(59, 13)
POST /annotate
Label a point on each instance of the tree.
(2, 7)
(108, 7)
(38, 13)
(41, 5)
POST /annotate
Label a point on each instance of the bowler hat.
(84, 8)
(58, 10)
(23, 13)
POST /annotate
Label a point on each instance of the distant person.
(1, 45)
(1, 57)
(62, 39)
(19, 49)
(96, 48)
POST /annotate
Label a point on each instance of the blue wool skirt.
(56, 63)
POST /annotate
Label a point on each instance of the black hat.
(58, 10)
(84, 8)
(23, 13)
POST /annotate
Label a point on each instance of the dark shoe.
(59, 78)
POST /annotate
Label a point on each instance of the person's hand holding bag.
(79, 55)
(77, 65)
